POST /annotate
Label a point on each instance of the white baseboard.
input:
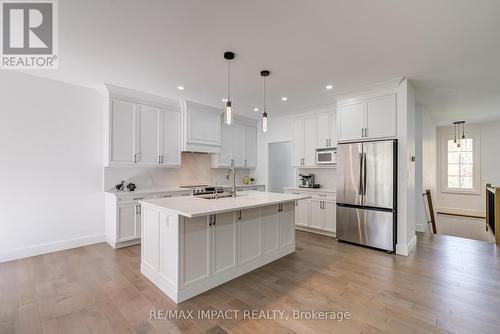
(405, 250)
(50, 247)
(421, 228)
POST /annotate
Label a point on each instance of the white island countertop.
(196, 207)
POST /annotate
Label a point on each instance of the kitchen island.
(192, 244)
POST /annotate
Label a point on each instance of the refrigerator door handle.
(364, 174)
(360, 181)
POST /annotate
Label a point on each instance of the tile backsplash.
(195, 169)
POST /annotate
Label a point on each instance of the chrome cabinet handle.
(322, 195)
(138, 198)
(137, 209)
(239, 217)
(326, 142)
(366, 132)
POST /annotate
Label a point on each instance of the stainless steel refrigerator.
(366, 193)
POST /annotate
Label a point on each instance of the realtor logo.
(29, 34)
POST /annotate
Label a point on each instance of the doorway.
(280, 170)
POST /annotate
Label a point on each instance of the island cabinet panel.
(270, 229)
(223, 243)
(168, 247)
(150, 237)
(195, 246)
(249, 235)
(287, 224)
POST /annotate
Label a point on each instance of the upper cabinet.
(304, 141)
(239, 144)
(326, 130)
(141, 129)
(373, 118)
(202, 128)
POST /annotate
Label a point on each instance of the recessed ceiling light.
(255, 109)
(284, 98)
(328, 87)
(224, 100)
(180, 87)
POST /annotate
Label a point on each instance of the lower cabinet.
(195, 243)
(249, 235)
(270, 229)
(224, 242)
(129, 222)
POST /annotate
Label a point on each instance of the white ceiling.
(449, 48)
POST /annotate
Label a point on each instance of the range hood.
(201, 128)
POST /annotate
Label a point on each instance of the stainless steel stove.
(204, 189)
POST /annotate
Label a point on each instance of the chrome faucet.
(233, 187)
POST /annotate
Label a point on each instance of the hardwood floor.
(447, 285)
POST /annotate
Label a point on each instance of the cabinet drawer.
(133, 198)
(324, 195)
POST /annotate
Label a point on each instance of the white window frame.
(476, 174)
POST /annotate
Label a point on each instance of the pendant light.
(264, 74)
(228, 112)
(457, 132)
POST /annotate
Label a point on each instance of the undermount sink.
(225, 195)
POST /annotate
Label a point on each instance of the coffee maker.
(306, 180)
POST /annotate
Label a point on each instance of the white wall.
(196, 169)
(51, 165)
(429, 154)
(489, 136)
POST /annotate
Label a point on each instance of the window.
(461, 164)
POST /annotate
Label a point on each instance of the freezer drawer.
(366, 227)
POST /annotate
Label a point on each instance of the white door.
(302, 212)
(351, 121)
(310, 141)
(330, 216)
(195, 250)
(381, 117)
(223, 243)
(333, 130)
(280, 171)
(250, 146)
(122, 132)
(171, 138)
(316, 213)
(127, 218)
(249, 235)
(237, 144)
(297, 141)
(270, 229)
(148, 135)
(323, 129)
(287, 224)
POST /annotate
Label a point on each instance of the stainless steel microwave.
(326, 156)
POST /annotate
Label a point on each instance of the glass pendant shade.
(264, 122)
(228, 117)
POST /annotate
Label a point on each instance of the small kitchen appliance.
(306, 180)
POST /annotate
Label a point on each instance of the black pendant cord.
(265, 101)
(228, 80)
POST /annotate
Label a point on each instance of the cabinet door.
(224, 157)
(333, 129)
(223, 243)
(330, 216)
(170, 138)
(316, 213)
(138, 221)
(287, 224)
(323, 129)
(270, 229)
(122, 122)
(297, 141)
(203, 128)
(249, 235)
(351, 121)
(238, 145)
(127, 218)
(381, 117)
(195, 250)
(310, 141)
(302, 212)
(148, 135)
(250, 146)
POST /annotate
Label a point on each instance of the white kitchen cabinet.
(250, 146)
(316, 213)
(148, 135)
(223, 242)
(301, 209)
(238, 145)
(381, 117)
(330, 216)
(121, 132)
(304, 141)
(249, 235)
(286, 221)
(141, 130)
(367, 119)
(170, 145)
(351, 121)
(270, 229)
(326, 127)
(129, 222)
(195, 245)
(202, 128)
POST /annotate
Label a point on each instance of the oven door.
(324, 157)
